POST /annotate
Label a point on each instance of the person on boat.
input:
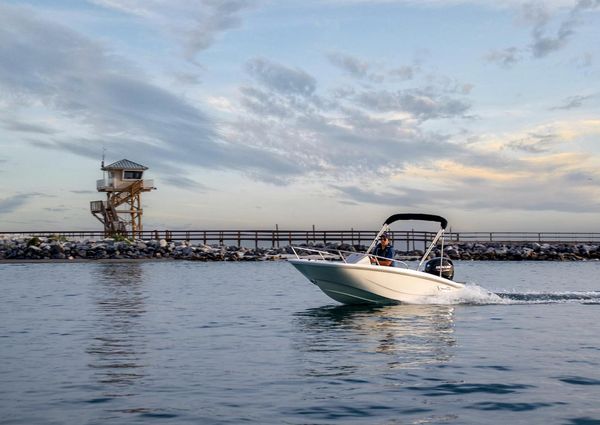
(383, 249)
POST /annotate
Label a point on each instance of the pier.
(403, 240)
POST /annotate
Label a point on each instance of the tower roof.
(124, 164)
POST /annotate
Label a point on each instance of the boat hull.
(372, 284)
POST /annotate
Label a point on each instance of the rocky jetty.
(111, 249)
(51, 248)
(522, 251)
(493, 251)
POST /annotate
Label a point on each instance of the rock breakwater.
(110, 249)
(515, 251)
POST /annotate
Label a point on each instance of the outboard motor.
(433, 267)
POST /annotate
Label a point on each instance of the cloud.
(197, 24)
(584, 61)
(561, 182)
(349, 64)
(535, 142)
(572, 102)
(84, 192)
(506, 57)
(544, 39)
(403, 72)
(51, 64)
(556, 136)
(532, 170)
(392, 196)
(423, 104)
(186, 78)
(13, 203)
(97, 92)
(362, 70)
(218, 17)
(280, 78)
(185, 183)
(578, 177)
(17, 125)
(346, 132)
(544, 44)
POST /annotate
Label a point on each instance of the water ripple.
(583, 421)
(513, 407)
(579, 380)
(468, 388)
(254, 343)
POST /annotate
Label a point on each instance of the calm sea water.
(231, 343)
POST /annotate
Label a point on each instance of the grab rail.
(342, 257)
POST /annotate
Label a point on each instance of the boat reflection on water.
(334, 340)
(118, 343)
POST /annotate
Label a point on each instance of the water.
(231, 343)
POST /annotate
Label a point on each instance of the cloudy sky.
(338, 113)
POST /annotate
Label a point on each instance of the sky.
(333, 113)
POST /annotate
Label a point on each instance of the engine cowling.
(434, 265)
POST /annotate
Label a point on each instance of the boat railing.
(341, 255)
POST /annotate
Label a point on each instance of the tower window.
(132, 175)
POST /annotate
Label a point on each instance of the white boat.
(357, 278)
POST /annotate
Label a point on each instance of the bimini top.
(423, 217)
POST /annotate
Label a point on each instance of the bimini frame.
(421, 217)
(386, 225)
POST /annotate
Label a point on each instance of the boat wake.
(578, 297)
(473, 294)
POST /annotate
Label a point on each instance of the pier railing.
(403, 240)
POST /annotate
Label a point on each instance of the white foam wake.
(470, 294)
(476, 295)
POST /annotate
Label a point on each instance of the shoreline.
(84, 260)
(29, 250)
(172, 260)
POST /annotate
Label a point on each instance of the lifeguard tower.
(123, 184)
